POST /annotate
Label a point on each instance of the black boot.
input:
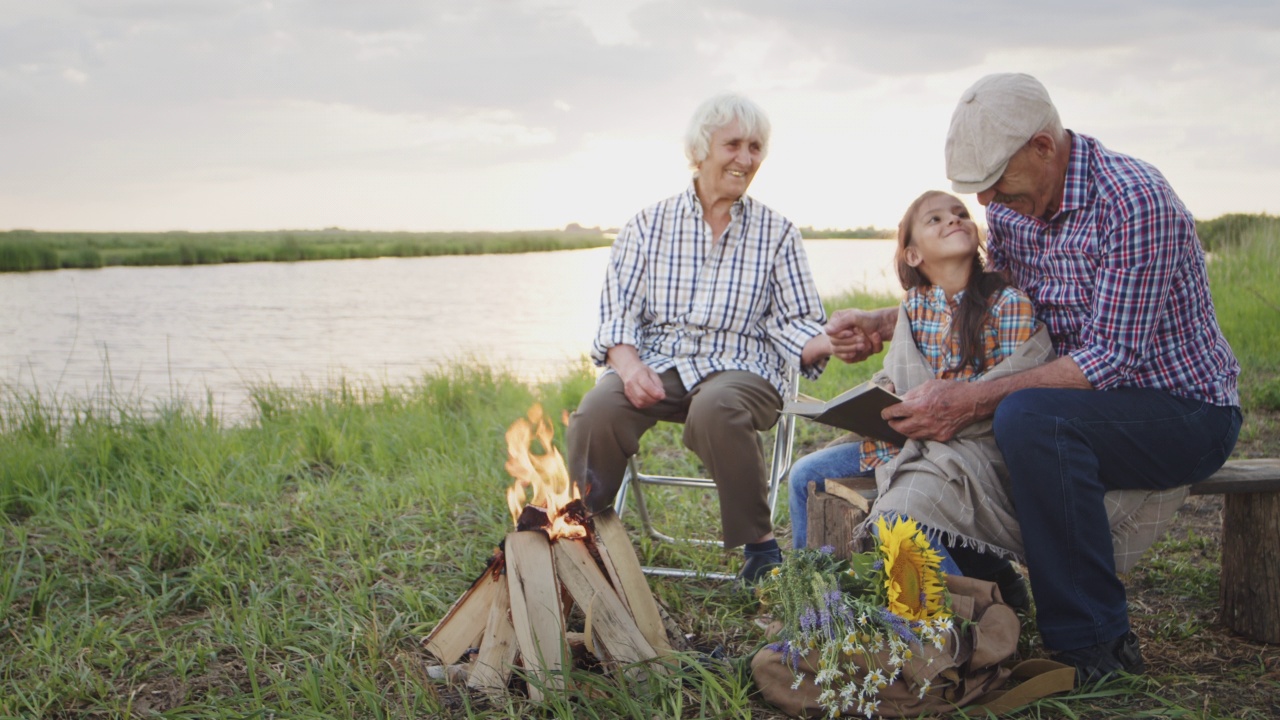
(1013, 589)
(760, 558)
(1098, 662)
(992, 568)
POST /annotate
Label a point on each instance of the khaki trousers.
(723, 417)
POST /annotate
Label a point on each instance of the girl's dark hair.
(972, 313)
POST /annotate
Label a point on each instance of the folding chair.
(633, 482)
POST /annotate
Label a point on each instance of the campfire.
(515, 615)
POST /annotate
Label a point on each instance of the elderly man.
(1143, 393)
(707, 299)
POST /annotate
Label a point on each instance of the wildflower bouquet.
(852, 629)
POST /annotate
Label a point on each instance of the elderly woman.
(707, 299)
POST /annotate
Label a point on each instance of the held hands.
(855, 334)
(935, 410)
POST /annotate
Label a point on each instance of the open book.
(857, 410)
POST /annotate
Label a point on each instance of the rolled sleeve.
(798, 315)
(623, 295)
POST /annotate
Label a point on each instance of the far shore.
(31, 250)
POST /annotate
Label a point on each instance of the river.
(199, 332)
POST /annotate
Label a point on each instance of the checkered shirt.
(746, 302)
(1118, 275)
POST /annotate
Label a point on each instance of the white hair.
(718, 112)
(1053, 126)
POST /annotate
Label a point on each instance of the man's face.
(1027, 185)
(732, 161)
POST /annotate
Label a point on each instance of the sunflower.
(912, 579)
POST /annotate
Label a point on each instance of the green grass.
(25, 250)
(1244, 279)
(158, 561)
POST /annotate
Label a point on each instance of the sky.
(533, 114)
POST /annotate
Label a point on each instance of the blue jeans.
(1065, 449)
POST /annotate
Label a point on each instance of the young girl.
(964, 321)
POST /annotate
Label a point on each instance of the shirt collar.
(936, 298)
(694, 205)
(1075, 189)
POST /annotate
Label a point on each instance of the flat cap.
(994, 119)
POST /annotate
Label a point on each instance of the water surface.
(161, 332)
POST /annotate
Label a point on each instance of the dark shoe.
(758, 564)
(1014, 591)
(1096, 663)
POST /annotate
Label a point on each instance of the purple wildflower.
(808, 620)
(878, 565)
(790, 654)
(824, 623)
(899, 625)
(827, 549)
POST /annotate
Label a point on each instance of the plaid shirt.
(1118, 275)
(747, 302)
(1009, 323)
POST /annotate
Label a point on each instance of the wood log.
(451, 674)
(536, 613)
(616, 637)
(1250, 584)
(460, 628)
(621, 556)
(835, 514)
(492, 667)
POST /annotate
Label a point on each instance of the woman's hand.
(640, 383)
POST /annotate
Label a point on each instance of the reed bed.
(25, 250)
(158, 561)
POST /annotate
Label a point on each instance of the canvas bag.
(966, 672)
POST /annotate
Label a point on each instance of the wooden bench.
(1249, 581)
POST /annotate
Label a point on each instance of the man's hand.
(935, 410)
(640, 383)
(858, 334)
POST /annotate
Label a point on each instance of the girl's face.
(942, 230)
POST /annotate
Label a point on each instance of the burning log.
(515, 613)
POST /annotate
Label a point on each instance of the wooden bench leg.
(1249, 587)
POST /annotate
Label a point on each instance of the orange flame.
(545, 476)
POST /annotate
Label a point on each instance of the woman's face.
(732, 161)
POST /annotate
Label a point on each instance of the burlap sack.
(959, 673)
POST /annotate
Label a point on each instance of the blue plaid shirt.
(747, 302)
(1118, 275)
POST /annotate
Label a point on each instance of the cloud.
(106, 100)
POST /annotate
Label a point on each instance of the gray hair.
(718, 112)
(1053, 126)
